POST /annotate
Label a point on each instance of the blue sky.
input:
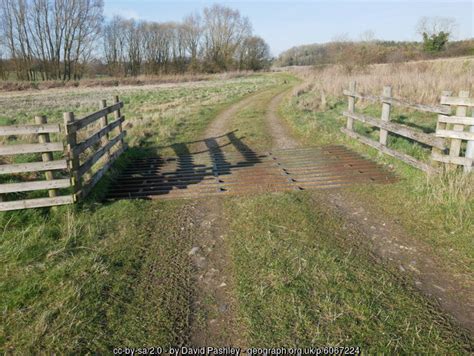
(284, 24)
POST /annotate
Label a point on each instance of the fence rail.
(85, 161)
(448, 138)
(49, 166)
(82, 168)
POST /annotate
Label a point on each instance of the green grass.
(89, 277)
(437, 210)
(301, 282)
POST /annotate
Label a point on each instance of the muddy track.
(215, 307)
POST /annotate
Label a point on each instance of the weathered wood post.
(386, 107)
(46, 156)
(117, 116)
(71, 140)
(440, 126)
(461, 110)
(470, 148)
(351, 105)
(104, 121)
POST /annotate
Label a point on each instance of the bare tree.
(435, 25)
(51, 37)
(192, 37)
(436, 32)
(254, 54)
(224, 31)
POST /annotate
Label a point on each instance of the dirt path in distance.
(387, 239)
(278, 130)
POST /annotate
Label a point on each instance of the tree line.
(435, 33)
(65, 39)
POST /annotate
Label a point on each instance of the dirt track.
(383, 236)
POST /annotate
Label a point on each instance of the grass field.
(90, 277)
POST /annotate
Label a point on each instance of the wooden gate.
(82, 152)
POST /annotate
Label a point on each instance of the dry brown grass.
(7, 86)
(421, 81)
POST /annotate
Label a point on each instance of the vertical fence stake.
(461, 110)
(387, 93)
(46, 156)
(104, 121)
(440, 126)
(351, 105)
(117, 116)
(470, 149)
(71, 139)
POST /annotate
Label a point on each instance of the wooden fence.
(445, 143)
(98, 147)
(88, 156)
(48, 165)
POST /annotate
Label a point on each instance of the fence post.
(386, 106)
(470, 149)
(351, 106)
(104, 121)
(71, 139)
(440, 126)
(461, 110)
(118, 114)
(46, 156)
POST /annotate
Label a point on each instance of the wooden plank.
(460, 120)
(98, 155)
(400, 102)
(385, 117)
(29, 129)
(36, 185)
(457, 135)
(470, 150)
(101, 172)
(455, 148)
(117, 115)
(46, 156)
(457, 101)
(95, 138)
(7, 150)
(33, 167)
(402, 156)
(104, 121)
(71, 139)
(441, 126)
(36, 203)
(351, 106)
(402, 130)
(461, 161)
(87, 120)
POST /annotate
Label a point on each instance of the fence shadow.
(145, 177)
